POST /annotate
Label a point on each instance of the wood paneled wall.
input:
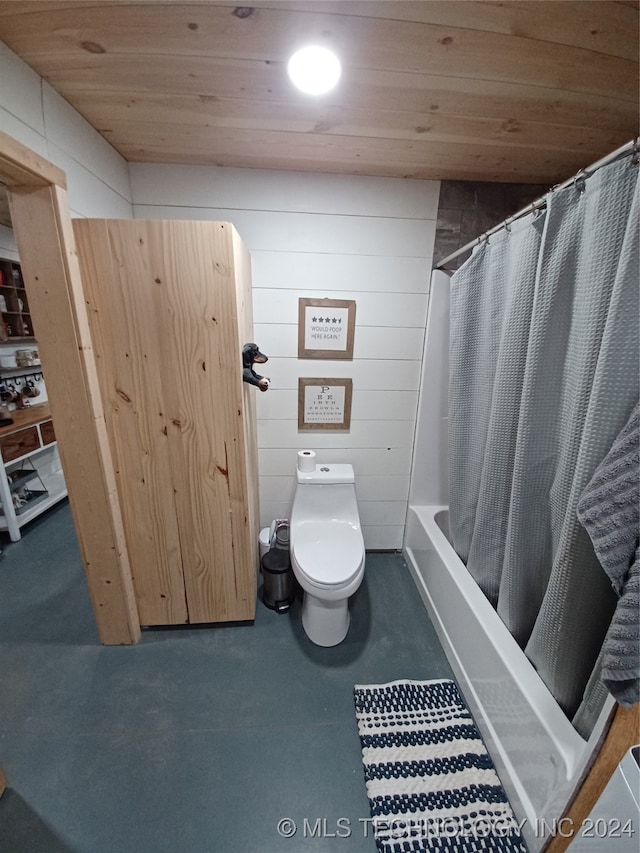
(511, 91)
(169, 307)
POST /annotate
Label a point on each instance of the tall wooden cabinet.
(169, 306)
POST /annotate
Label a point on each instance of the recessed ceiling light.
(314, 70)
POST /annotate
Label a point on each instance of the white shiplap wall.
(97, 176)
(368, 239)
(34, 114)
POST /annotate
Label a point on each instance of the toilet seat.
(328, 553)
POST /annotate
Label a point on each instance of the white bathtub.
(539, 756)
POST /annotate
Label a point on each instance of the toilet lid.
(328, 553)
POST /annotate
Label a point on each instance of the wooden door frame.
(42, 227)
(622, 734)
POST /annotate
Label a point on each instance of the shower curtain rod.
(632, 147)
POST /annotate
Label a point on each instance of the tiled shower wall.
(468, 208)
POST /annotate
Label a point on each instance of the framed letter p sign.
(324, 403)
(326, 327)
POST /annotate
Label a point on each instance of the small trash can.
(279, 584)
(264, 542)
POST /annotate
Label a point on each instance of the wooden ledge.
(23, 418)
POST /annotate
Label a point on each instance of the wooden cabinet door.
(168, 317)
(19, 443)
(47, 432)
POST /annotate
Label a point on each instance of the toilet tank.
(332, 473)
(327, 493)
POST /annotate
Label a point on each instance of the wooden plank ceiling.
(488, 91)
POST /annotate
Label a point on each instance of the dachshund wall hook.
(251, 355)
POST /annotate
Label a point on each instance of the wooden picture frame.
(324, 404)
(326, 328)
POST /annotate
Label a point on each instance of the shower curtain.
(544, 360)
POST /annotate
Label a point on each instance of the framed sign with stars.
(324, 403)
(326, 328)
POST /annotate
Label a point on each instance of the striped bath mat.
(430, 781)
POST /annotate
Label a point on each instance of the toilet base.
(325, 623)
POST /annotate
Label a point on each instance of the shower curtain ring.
(579, 181)
(635, 159)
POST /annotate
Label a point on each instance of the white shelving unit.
(30, 481)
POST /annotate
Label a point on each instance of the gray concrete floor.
(196, 740)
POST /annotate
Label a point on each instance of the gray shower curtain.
(544, 369)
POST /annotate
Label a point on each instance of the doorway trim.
(43, 232)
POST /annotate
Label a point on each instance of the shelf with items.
(20, 392)
(21, 379)
(33, 479)
(14, 305)
(16, 361)
(19, 477)
(15, 374)
(26, 487)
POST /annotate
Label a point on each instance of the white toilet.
(327, 549)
